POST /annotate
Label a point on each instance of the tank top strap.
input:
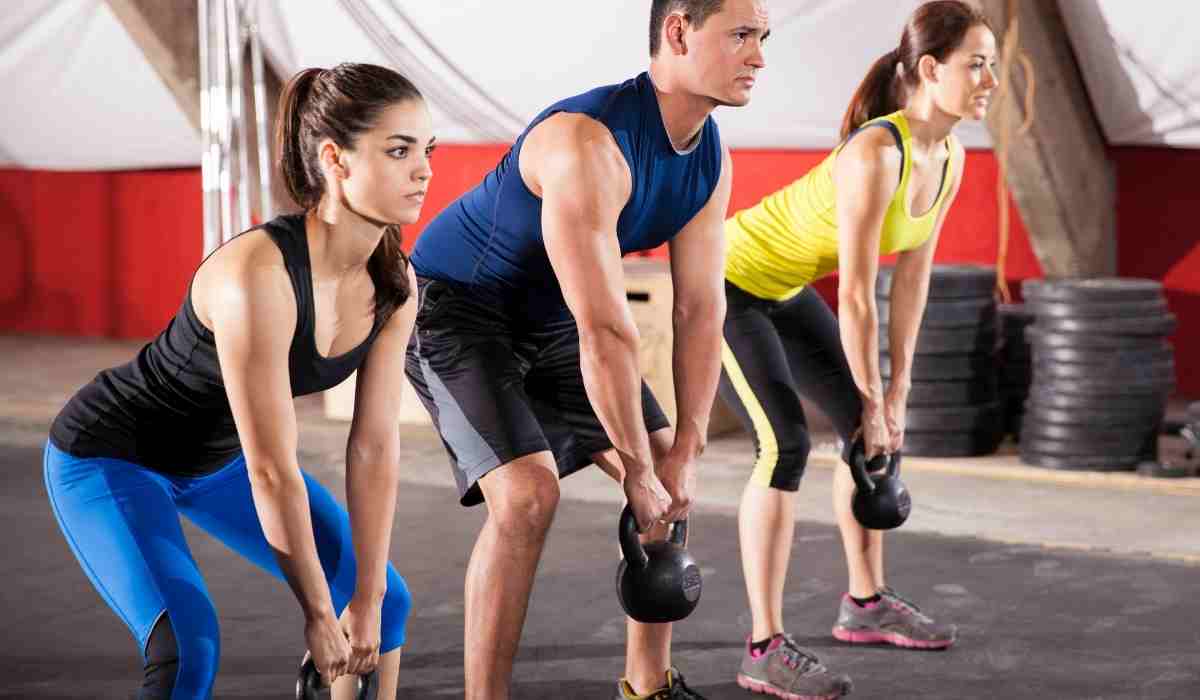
(289, 236)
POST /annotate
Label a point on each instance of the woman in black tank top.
(202, 421)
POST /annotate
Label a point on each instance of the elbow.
(601, 334)
(380, 456)
(710, 312)
(856, 302)
(270, 474)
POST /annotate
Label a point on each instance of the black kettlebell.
(659, 581)
(881, 501)
(309, 686)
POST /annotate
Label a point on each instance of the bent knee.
(783, 467)
(523, 505)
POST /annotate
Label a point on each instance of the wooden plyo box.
(339, 403)
(648, 290)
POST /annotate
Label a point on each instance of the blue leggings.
(122, 522)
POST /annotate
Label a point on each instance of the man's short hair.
(696, 11)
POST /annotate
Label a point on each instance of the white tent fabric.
(79, 94)
(1141, 64)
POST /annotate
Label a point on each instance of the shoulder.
(573, 145)
(871, 152)
(248, 271)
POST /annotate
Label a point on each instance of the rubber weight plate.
(1045, 397)
(1102, 418)
(947, 281)
(968, 418)
(1099, 289)
(953, 393)
(1039, 337)
(949, 341)
(953, 444)
(1078, 448)
(1071, 309)
(1159, 325)
(954, 313)
(943, 367)
(1105, 371)
(1103, 386)
(1158, 352)
(1090, 434)
(1077, 463)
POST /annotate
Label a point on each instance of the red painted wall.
(110, 254)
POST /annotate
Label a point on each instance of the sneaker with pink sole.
(892, 619)
(788, 671)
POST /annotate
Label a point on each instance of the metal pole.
(266, 206)
(208, 165)
(226, 123)
(238, 113)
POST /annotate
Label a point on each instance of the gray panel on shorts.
(471, 451)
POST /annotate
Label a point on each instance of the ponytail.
(304, 187)
(388, 267)
(877, 95)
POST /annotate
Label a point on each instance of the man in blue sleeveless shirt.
(525, 353)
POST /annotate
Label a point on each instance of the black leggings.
(774, 352)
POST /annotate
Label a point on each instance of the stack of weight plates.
(1013, 363)
(1102, 371)
(954, 407)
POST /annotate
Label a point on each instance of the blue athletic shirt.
(490, 238)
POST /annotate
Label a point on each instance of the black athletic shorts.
(499, 388)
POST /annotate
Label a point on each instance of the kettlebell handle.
(310, 681)
(854, 454)
(631, 546)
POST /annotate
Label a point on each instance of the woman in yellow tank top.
(885, 189)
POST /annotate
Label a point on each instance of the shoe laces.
(798, 658)
(905, 603)
(677, 691)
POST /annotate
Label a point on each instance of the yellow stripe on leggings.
(768, 448)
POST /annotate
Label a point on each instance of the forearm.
(372, 477)
(696, 364)
(281, 500)
(907, 306)
(608, 360)
(858, 321)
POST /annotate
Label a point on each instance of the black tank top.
(167, 409)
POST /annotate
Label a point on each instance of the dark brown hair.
(935, 28)
(339, 104)
(697, 13)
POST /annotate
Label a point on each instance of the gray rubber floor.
(1035, 622)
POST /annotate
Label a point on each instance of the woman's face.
(966, 80)
(387, 172)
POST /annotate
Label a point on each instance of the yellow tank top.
(789, 239)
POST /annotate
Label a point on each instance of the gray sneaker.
(892, 620)
(790, 672)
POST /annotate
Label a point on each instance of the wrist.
(873, 402)
(367, 594)
(318, 611)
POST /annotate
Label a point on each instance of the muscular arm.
(584, 182)
(698, 280)
(253, 316)
(865, 176)
(373, 449)
(910, 289)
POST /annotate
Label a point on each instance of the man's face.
(727, 51)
